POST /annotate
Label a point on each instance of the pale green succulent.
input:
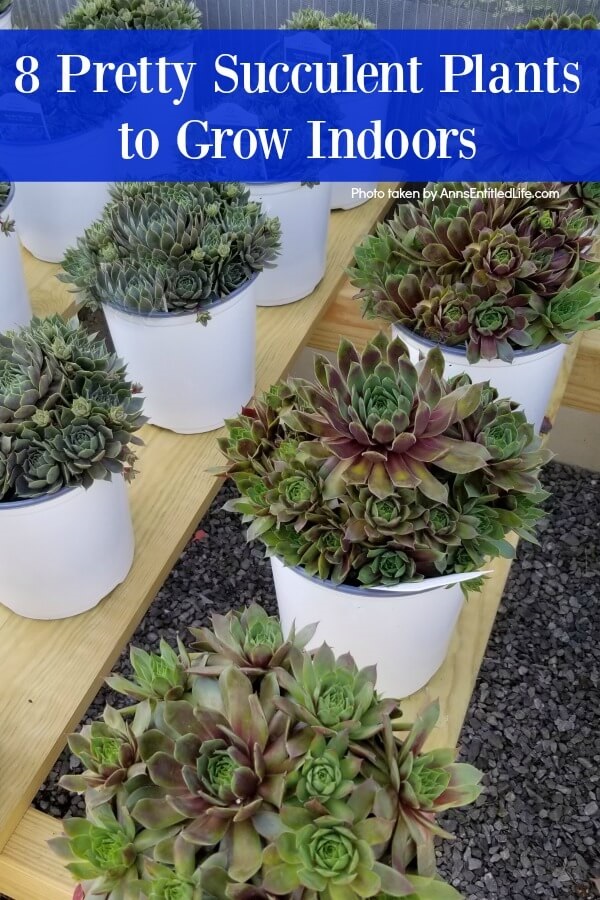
(171, 248)
(309, 19)
(158, 676)
(132, 14)
(67, 413)
(280, 778)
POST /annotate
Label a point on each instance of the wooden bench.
(50, 671)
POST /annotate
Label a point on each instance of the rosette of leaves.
(7, 226)
(158, 676)
(418, 786)
(132, 14)
(515, 450)
(574, 309)
(586, 196)
(224, 766)
(327, 776)
(287, 784)
(382, 421)
(309, 19)
(101, 850)
(251, 640)
(484, 272)
(333, 857)
(171, 248)
(68, 415)
(441, 511)
(333, 695)
(563, 21)
(109, 751)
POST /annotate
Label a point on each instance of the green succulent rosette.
(251, 640)
(132, 14)
(285, 776)
(491, 273)
(381, 472)
(68, 415)
(309, 19)
(162, 247)
(553, 21)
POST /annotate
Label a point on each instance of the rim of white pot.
(7, 11)
(11, 191)
(181, 315)
(277, 187)
(461, 352)
(380, 591)
(37, 501)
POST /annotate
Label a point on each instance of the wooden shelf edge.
(28, 869)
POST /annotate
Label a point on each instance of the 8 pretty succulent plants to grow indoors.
(68, 423)
(248, 768)
(173, 267)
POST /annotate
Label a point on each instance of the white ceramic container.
(304, 215)
(528, 380)
(348, 194)
(6, 19)
(406, 629)
(60, 555)
(52, 215)
(193, 375)
(15, 309)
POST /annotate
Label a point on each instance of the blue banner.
(302, 106)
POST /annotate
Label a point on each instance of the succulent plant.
(132, 14)
(309, 19)
(484, 271)
(283, 778)
(68, 416)
(7, 226)
(563, 21)
(4, 5)
(110, 753)
(383, 472)
(251, 640)
(418, 786)
(381, 421)
(171, 247)
(158, 676)
(586, 196)
(332, 695)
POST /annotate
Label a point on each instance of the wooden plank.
(50, 671)
(453, 685)
(583, 389)
(343, 316)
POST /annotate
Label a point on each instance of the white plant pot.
(304, 215)
(6, 19)
(406, 630)
(528, 380)
(60, 555)
(15, 309)
(193, 375)
(348, 194)
(52, 215)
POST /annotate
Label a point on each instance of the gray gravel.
(533, 721)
